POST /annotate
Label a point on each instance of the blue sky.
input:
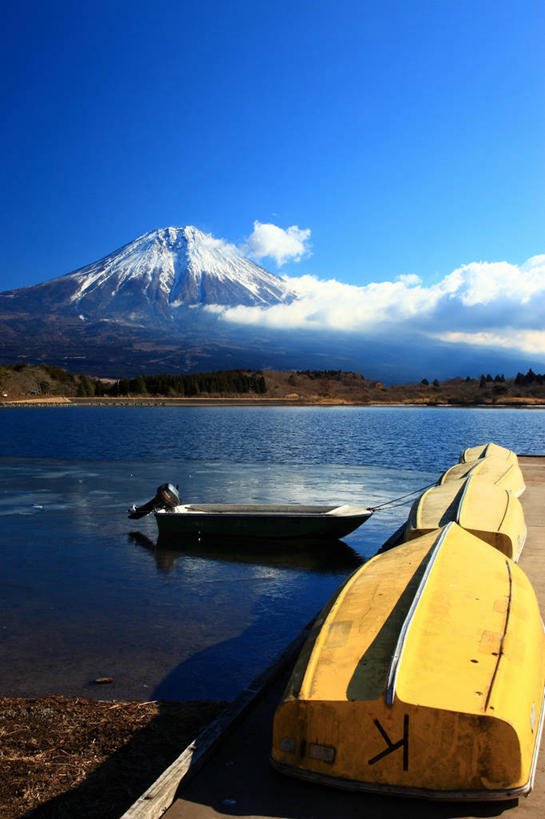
(405, 138)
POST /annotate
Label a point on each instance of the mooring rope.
(392, 502)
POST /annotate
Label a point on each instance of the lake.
(87, 593)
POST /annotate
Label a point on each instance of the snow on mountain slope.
(174, 267)
(139, 309)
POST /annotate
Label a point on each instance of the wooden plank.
(159, 796)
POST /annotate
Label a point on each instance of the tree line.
(219, 382)
(530, 378)
(27, 379)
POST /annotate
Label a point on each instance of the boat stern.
(405, 749)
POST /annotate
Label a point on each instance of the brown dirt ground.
(62, 758)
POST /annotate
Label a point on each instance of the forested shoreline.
(33, 382)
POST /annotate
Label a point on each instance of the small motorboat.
(486, 510)
(423, 677)
(270, 521)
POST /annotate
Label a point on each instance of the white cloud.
(409, 278)
(494, 304)
(484, 282)
(530, 341)
(271, 241)
(337, 306)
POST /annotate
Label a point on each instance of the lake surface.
(87, 593)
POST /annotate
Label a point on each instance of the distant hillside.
(33, 382)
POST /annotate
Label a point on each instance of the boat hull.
(270, 523)
(486, 510)
(489, 450)
(501, 472)
(424, 677)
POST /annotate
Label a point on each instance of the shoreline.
(216, 401)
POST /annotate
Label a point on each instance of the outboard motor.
(166, 497)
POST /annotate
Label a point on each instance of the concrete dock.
(237, 779)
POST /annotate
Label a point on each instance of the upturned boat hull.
(489, 450)
(500, 471)
(423, 677)
(486, 510)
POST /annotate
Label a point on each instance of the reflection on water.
(326, 557)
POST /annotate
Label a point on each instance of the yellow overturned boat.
(485, 509)
(503, 472)
(423, 677)
(488, 450)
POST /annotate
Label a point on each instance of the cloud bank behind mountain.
(481, 304)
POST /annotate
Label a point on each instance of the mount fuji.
(155, 275)
(143, 308)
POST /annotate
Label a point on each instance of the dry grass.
(62, 757)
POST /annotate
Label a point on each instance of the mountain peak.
(177, 266)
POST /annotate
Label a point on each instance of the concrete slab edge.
(157, 799)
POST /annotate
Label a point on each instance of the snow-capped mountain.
(143, 308)
(153, 276)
